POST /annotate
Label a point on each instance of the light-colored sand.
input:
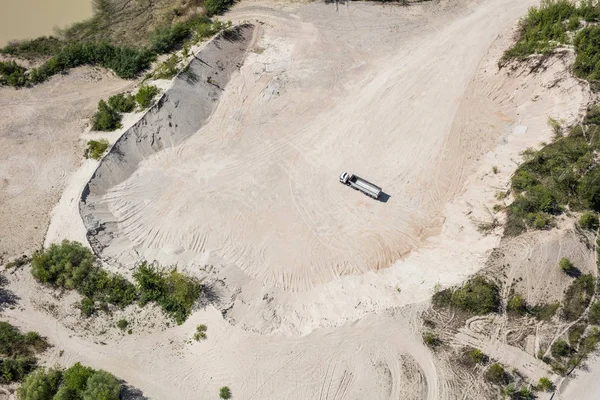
(40, 147)
(410, 98)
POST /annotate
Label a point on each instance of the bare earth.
(309, 276)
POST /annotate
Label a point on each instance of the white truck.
(359, 183)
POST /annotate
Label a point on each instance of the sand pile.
(179, 113)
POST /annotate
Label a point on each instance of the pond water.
(27, 19)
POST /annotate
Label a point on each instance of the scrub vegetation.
(70, 265)
(94, 42)
(77, 382)
(561, 176)
(17, 352)
(477, 296)
(96, 148)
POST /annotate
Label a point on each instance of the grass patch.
(70, 265)
(577, 297)
(589, 221)
(96, 148)
(477, 296)
(145, 95)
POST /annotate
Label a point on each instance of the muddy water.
(24, 19)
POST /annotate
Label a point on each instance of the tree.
(560, 348)
(567, 266)
(40, 385)
(106, 118)
(495, 374)
(225, 393)
(517, 305)
(76, 377)
(102, 386)
(589, 220)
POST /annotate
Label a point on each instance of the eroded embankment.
(180, 113)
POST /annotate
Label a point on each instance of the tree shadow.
(129, 392)
(7, 298)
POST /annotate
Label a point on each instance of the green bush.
(168, 69)
(560, 348)
(145, 95)
(476, 356)
(96, 148)
(214, 7)
(122, 324)
(589, 221)
(122, 102)
(200, 333)
(13, 343)
(594, 313)
(102, 386)
(65, 265)
(545, 384)
(496, 374)
(34, 48)
(587, 44)
(87, 307)
(77, 382)
(16, 369)
(431, 340)
(577, 297)
(575, 333)
(544, 312)
(225, 393)
(42, 384)
(170, 289)
(12, 74)
(106, 119)
(72, 266)
(542, 28)
(567, 267)
(517, 305)
(476, 296)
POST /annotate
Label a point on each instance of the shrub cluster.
(125, 62)
(169, 288)
(578, 296)
(562, 174)
(106, 119)
(70, 265)
(17, 352)
(546, 26)
(124, 103)
(145, 95)
(12, 74)
(96, 148)
(77, 382)
(476, 296)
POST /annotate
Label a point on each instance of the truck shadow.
(383, 197)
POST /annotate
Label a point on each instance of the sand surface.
(258, 184)
(234, 178)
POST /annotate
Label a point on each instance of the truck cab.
(344, 178)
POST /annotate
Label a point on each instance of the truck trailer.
(361, 184)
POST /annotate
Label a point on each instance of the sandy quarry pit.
(245, 190)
